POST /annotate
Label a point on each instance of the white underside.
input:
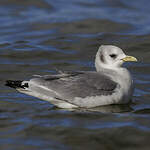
(54, 101)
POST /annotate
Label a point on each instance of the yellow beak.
(129, 58)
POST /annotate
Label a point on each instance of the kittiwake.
(109, 84)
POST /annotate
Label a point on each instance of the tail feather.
(16, 84)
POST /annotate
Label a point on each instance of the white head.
(111, 57)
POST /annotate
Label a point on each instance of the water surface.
(36, 37)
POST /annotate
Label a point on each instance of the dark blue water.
(36, 37)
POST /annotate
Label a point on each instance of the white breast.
(123, 78)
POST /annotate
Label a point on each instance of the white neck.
(118, 74)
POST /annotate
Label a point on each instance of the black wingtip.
(14, 84)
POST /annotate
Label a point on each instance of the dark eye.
(113, 56)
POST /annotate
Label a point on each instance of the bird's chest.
(126, 83)
(123, 78)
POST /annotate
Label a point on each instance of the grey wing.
(67, 86)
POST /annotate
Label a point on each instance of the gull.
(109, 84)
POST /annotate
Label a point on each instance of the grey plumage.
(76, 84)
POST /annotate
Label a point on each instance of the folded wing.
(67, 86)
